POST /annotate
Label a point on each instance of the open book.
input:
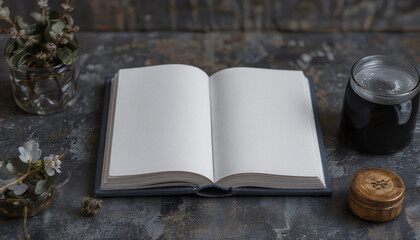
(173, 129)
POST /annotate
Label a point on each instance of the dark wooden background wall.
(239, 15)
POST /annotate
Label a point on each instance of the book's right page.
(263, 123)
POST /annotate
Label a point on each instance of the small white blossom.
(4, 13)
(51, 47)
(41, 56)
(13, 33)
(52, 163)
(30, 152)
(43, 3)
(62, 40)
(66, 7)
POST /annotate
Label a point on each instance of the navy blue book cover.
(209, 190)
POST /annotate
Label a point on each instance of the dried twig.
(25, 217)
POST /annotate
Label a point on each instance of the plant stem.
(16, 181)
(4, 30)
(65, 11)
(13, 24)
(43, 16)
(25, 217)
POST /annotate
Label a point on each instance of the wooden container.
(376, 194)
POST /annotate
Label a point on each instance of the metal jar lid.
(384, 79)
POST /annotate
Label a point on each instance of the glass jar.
(43, 90)
(14, 207)
(380, 104)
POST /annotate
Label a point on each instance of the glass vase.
(12, 205)
(15, 206)
(44, 90)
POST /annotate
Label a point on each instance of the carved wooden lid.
(377, 188)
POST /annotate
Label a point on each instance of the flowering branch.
(39, 173)
(30, 154)
(54, 33)
(43, 5)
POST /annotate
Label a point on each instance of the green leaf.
(37, 37)
(42, 186)
(66, 55)
(10, 168)
(37, 16)
(58, 27)
(48, 36)
(23, 61)
(5, 182)
(72, 45)
(54, 16)
(20, 42)
(11, 47)
(21, 23)
(14, 60)
(52, 35)
(18, 189)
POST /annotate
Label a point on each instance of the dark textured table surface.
(75, 132)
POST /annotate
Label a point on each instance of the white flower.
(52, 163)
(4, 13)
(51, 47)
(66, 7)
(43, 3)
(30, 152)
(13, 33)
(41, 56)
(62, 40)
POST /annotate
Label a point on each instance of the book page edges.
(109, 131)
(315, 133)
(157, 179)
(264, 180)
(265, 69)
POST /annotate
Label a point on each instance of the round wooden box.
(376, 194)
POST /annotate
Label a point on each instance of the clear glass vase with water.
(44, 90)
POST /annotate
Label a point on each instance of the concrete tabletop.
(327, 58)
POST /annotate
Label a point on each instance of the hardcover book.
(172, 129)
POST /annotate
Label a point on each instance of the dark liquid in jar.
(376, 128)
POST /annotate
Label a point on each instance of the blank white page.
(162, 121)
(263, 122)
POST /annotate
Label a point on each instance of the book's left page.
(161, 127)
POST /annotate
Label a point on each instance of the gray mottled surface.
(239, 15)
(325, 57)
